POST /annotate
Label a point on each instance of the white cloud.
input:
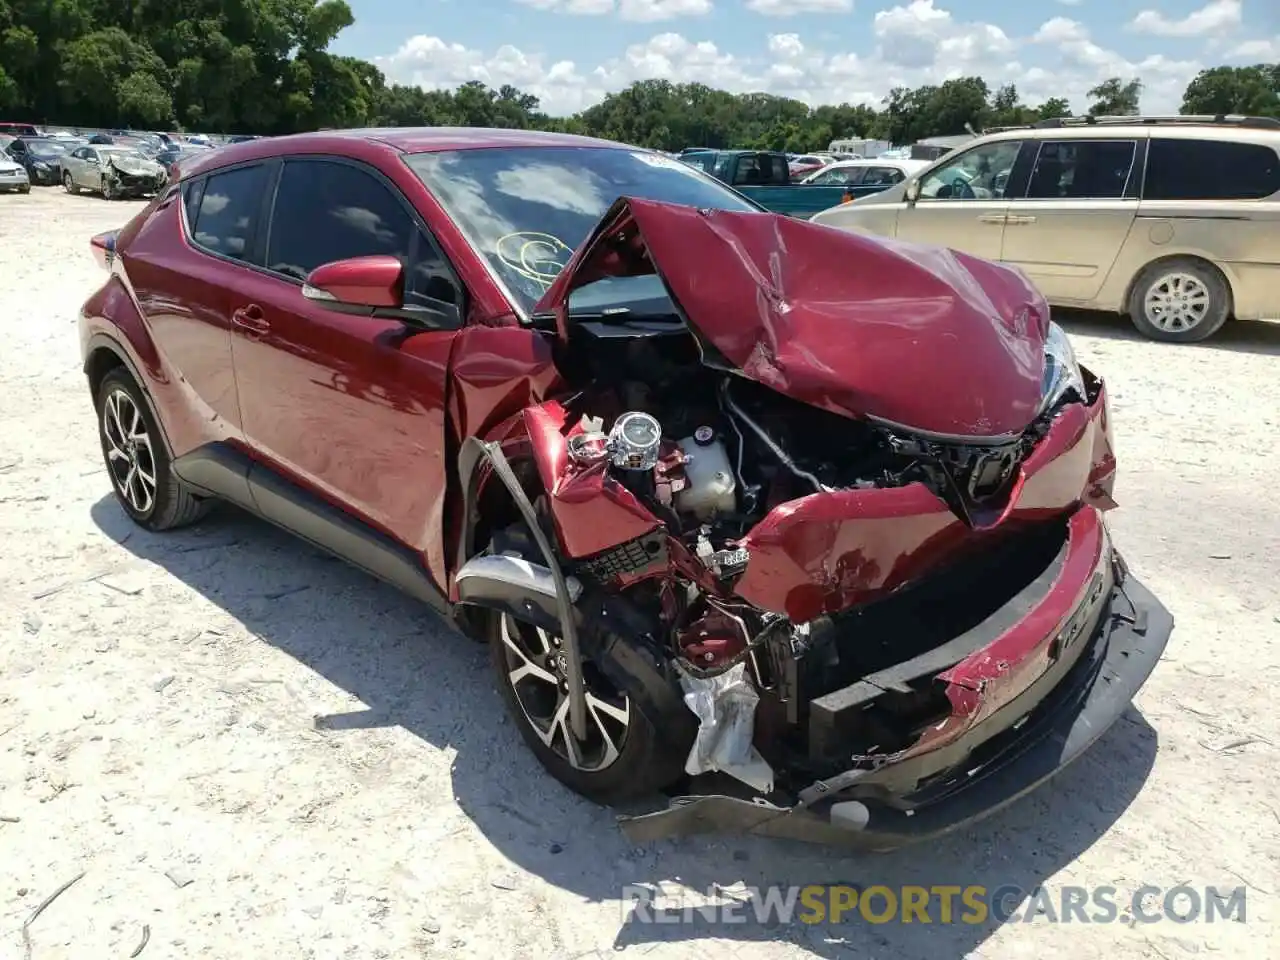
(788, 8)
(914, 43)
(1215, 17)
(1072, 63)
(650, 11)
(1257, 51)
(638, 11)
(586, 8)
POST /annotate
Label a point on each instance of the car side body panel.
(1241, 238)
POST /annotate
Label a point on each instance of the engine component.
(634, 441)
(711, 488)
(783, 457)
(588, 447)
(722, 563)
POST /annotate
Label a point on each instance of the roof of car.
(402, 139)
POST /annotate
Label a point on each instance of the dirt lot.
(252, 751)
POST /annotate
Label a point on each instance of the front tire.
(108, 191)
(69, 183)
(1180, 301)
(137, 460)
(622, 758)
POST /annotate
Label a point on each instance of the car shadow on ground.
(384, 649)
(1240, 336)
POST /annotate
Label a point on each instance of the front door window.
(978, 174)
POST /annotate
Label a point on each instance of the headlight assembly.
(1062, 378)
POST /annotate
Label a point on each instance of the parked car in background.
(19, 129)
(764, 177)
(801, 166)
(114, 172)
(13, 176)
(40, 156)
(653, 446)
(880, 174)
(101, 138)
(1174, 221)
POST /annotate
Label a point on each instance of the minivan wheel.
(137, 460)
(1180, 301)
(621, 758)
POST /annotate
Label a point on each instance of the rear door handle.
(1020, 220)
(250, 318)
(992, 218)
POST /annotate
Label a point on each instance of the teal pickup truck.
(764, 177)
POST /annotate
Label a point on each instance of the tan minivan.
(1174, 221)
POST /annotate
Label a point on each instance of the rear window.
(1210, 170)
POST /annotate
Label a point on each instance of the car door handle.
(992, 218)
(1020, 220)
(250, 318)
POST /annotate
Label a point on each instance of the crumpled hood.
(136, 166)
(922, 337)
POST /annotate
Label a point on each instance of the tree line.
(262, 66)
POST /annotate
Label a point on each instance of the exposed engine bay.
(711, 454)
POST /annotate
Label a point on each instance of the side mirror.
(374, 287)
(365, 283)
(912, 192)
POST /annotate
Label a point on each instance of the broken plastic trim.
(473, 450)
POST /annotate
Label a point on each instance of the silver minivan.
(1174, 221)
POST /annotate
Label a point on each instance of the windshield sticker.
(535, 256)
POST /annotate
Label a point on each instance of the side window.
(430, 276)
(981, 173)
(192, 191)
(326, 211)
(1082, 169)
(781, 172)
(228, 212)
(1210, 170)
(841, 176)
(882, 176)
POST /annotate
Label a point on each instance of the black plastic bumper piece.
(1121, 654)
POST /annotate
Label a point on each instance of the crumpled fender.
(590, 509)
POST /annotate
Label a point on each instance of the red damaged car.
(802, 528)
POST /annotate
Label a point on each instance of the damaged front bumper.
(998, 760)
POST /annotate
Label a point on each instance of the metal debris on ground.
(40, 908)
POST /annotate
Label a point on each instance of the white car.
(13, 176)
(880, 172)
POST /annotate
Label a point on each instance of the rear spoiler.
(103, 246)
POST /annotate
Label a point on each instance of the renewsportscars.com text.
(941, 903)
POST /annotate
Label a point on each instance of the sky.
(571, 52)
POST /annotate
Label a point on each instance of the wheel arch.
(103, 354)
(1197, 258)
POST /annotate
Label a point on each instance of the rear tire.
(623, 758)
(1181, 300)
(137, 460)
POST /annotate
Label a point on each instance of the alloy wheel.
(1177, 302)
(130, 455)
(535, 670)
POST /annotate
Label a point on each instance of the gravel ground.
(251, 750)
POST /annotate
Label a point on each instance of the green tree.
(1254, 91)
(1115, 98)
